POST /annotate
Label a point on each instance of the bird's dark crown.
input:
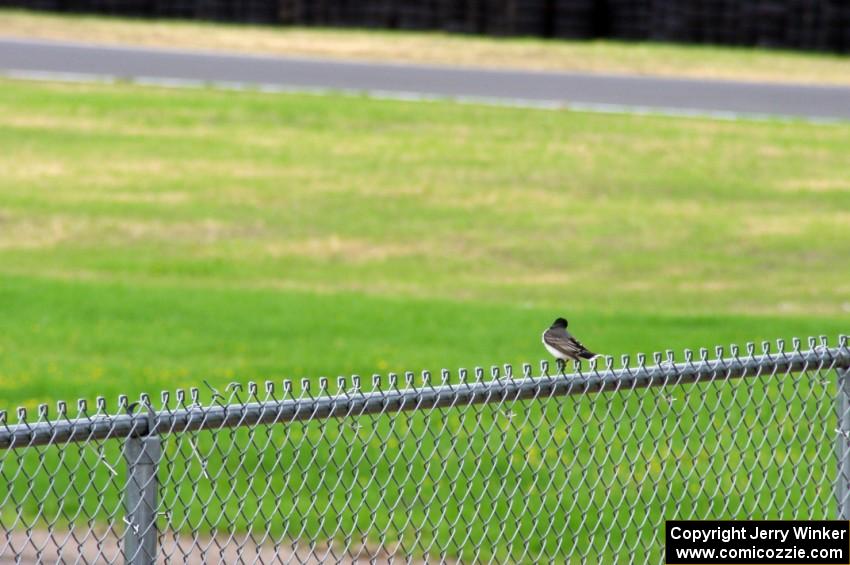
(559, 323)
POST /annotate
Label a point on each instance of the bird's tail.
(588, 354)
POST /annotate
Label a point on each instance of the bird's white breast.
(555, 353)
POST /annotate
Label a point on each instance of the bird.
(560, 343)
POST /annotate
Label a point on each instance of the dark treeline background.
(798, 24)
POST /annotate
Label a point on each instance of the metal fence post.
(842, 483)
(142, 456)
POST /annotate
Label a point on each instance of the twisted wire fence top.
(481, 466)
(352, 398)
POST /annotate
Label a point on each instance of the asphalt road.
(21, 57)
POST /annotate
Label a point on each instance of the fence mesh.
(557, 472)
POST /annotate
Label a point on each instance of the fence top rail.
(141, 418)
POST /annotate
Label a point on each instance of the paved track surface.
(49, 59)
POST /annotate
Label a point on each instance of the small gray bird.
(560, 343)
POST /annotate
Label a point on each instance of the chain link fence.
(471, 467)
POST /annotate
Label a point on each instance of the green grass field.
(152, 238)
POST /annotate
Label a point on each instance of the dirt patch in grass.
(72, 546)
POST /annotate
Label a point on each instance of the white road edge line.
(598, 108)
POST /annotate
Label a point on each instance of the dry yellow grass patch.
(709, 286)
(344, 249)
(504, 198)
(202, 232)
(51, 122)
(759, 225)
(102, 124)
(25, 170)
(140, 197)
(436, 48)
(32, 232)
(794, 225)
(37, 233)
(816, 185)
(551, 278)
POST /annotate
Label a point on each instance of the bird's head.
(559, 323)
